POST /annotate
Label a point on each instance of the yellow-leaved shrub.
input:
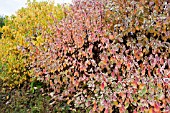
(14, 48)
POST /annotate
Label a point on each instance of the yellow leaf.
(115, 103)
(68, 102)
(150, 110)
(137, 28)
(101, 108)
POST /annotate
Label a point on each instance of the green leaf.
(127, 105)
(143, 91)
(119, 86)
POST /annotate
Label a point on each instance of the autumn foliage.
(110, 56)
(103, 56)
(14, 49)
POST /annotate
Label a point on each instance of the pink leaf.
(106, 110)
(102, 86)
(157, 108)
(119, 78)
(113, 75)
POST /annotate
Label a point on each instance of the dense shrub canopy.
(103, 56)
(28, 22)
(108, 56)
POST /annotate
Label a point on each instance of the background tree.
(2, 23)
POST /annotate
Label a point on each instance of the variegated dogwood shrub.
(108, 55)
